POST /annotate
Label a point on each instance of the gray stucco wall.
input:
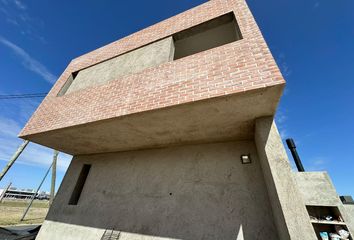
(185, 192)
(132, 62)
(290, 214)
(317, 189)
(349, 210)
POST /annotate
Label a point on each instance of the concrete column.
(289, 211)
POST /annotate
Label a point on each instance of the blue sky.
(311, 40)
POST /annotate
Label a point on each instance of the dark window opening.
(75, 196)
(208, 35)
(68, 83)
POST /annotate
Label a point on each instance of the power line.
(28, 95)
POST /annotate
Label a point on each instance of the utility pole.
(14, 158)
(54, 175)
(4, 193)
(35, 194)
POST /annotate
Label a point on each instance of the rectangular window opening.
(207, 35)
(75, 196)
(67, 84)
(213, 33)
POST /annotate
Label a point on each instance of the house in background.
(20, 193)
(173, 137)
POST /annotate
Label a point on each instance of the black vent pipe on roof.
(292, 147)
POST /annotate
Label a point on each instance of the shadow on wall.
(183, 192)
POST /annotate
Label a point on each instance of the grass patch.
(11, 212)
(22, 203)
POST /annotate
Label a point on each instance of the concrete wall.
(228, 118)
(317, 189)
(186, 192)
(132, 62)
(291, 217)
(349, 210)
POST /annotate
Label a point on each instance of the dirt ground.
(11, 212)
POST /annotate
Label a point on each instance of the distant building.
(173, 137)
(16, 193)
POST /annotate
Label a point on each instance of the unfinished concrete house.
(173, 137)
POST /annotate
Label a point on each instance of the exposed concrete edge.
(278, 215)
(167, 146)
(277, 87)
(290, 214)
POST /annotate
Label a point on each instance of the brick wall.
(232, 68)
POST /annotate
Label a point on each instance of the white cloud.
(25, 18)
(15, 12)
(12, 21)
(285, 69)
(29, 62)
(318, 164)
(34, 154)
(283, 133)
(4, 11)
(286, 91)
(37, 155)
(20, 5)
(8, 127)
(280, 119)
(5, 2)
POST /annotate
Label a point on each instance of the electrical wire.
(18, 96)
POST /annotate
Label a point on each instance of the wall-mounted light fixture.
(246, 159)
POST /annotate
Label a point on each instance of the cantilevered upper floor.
(203, 75)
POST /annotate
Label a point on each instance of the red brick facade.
(236, 67)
